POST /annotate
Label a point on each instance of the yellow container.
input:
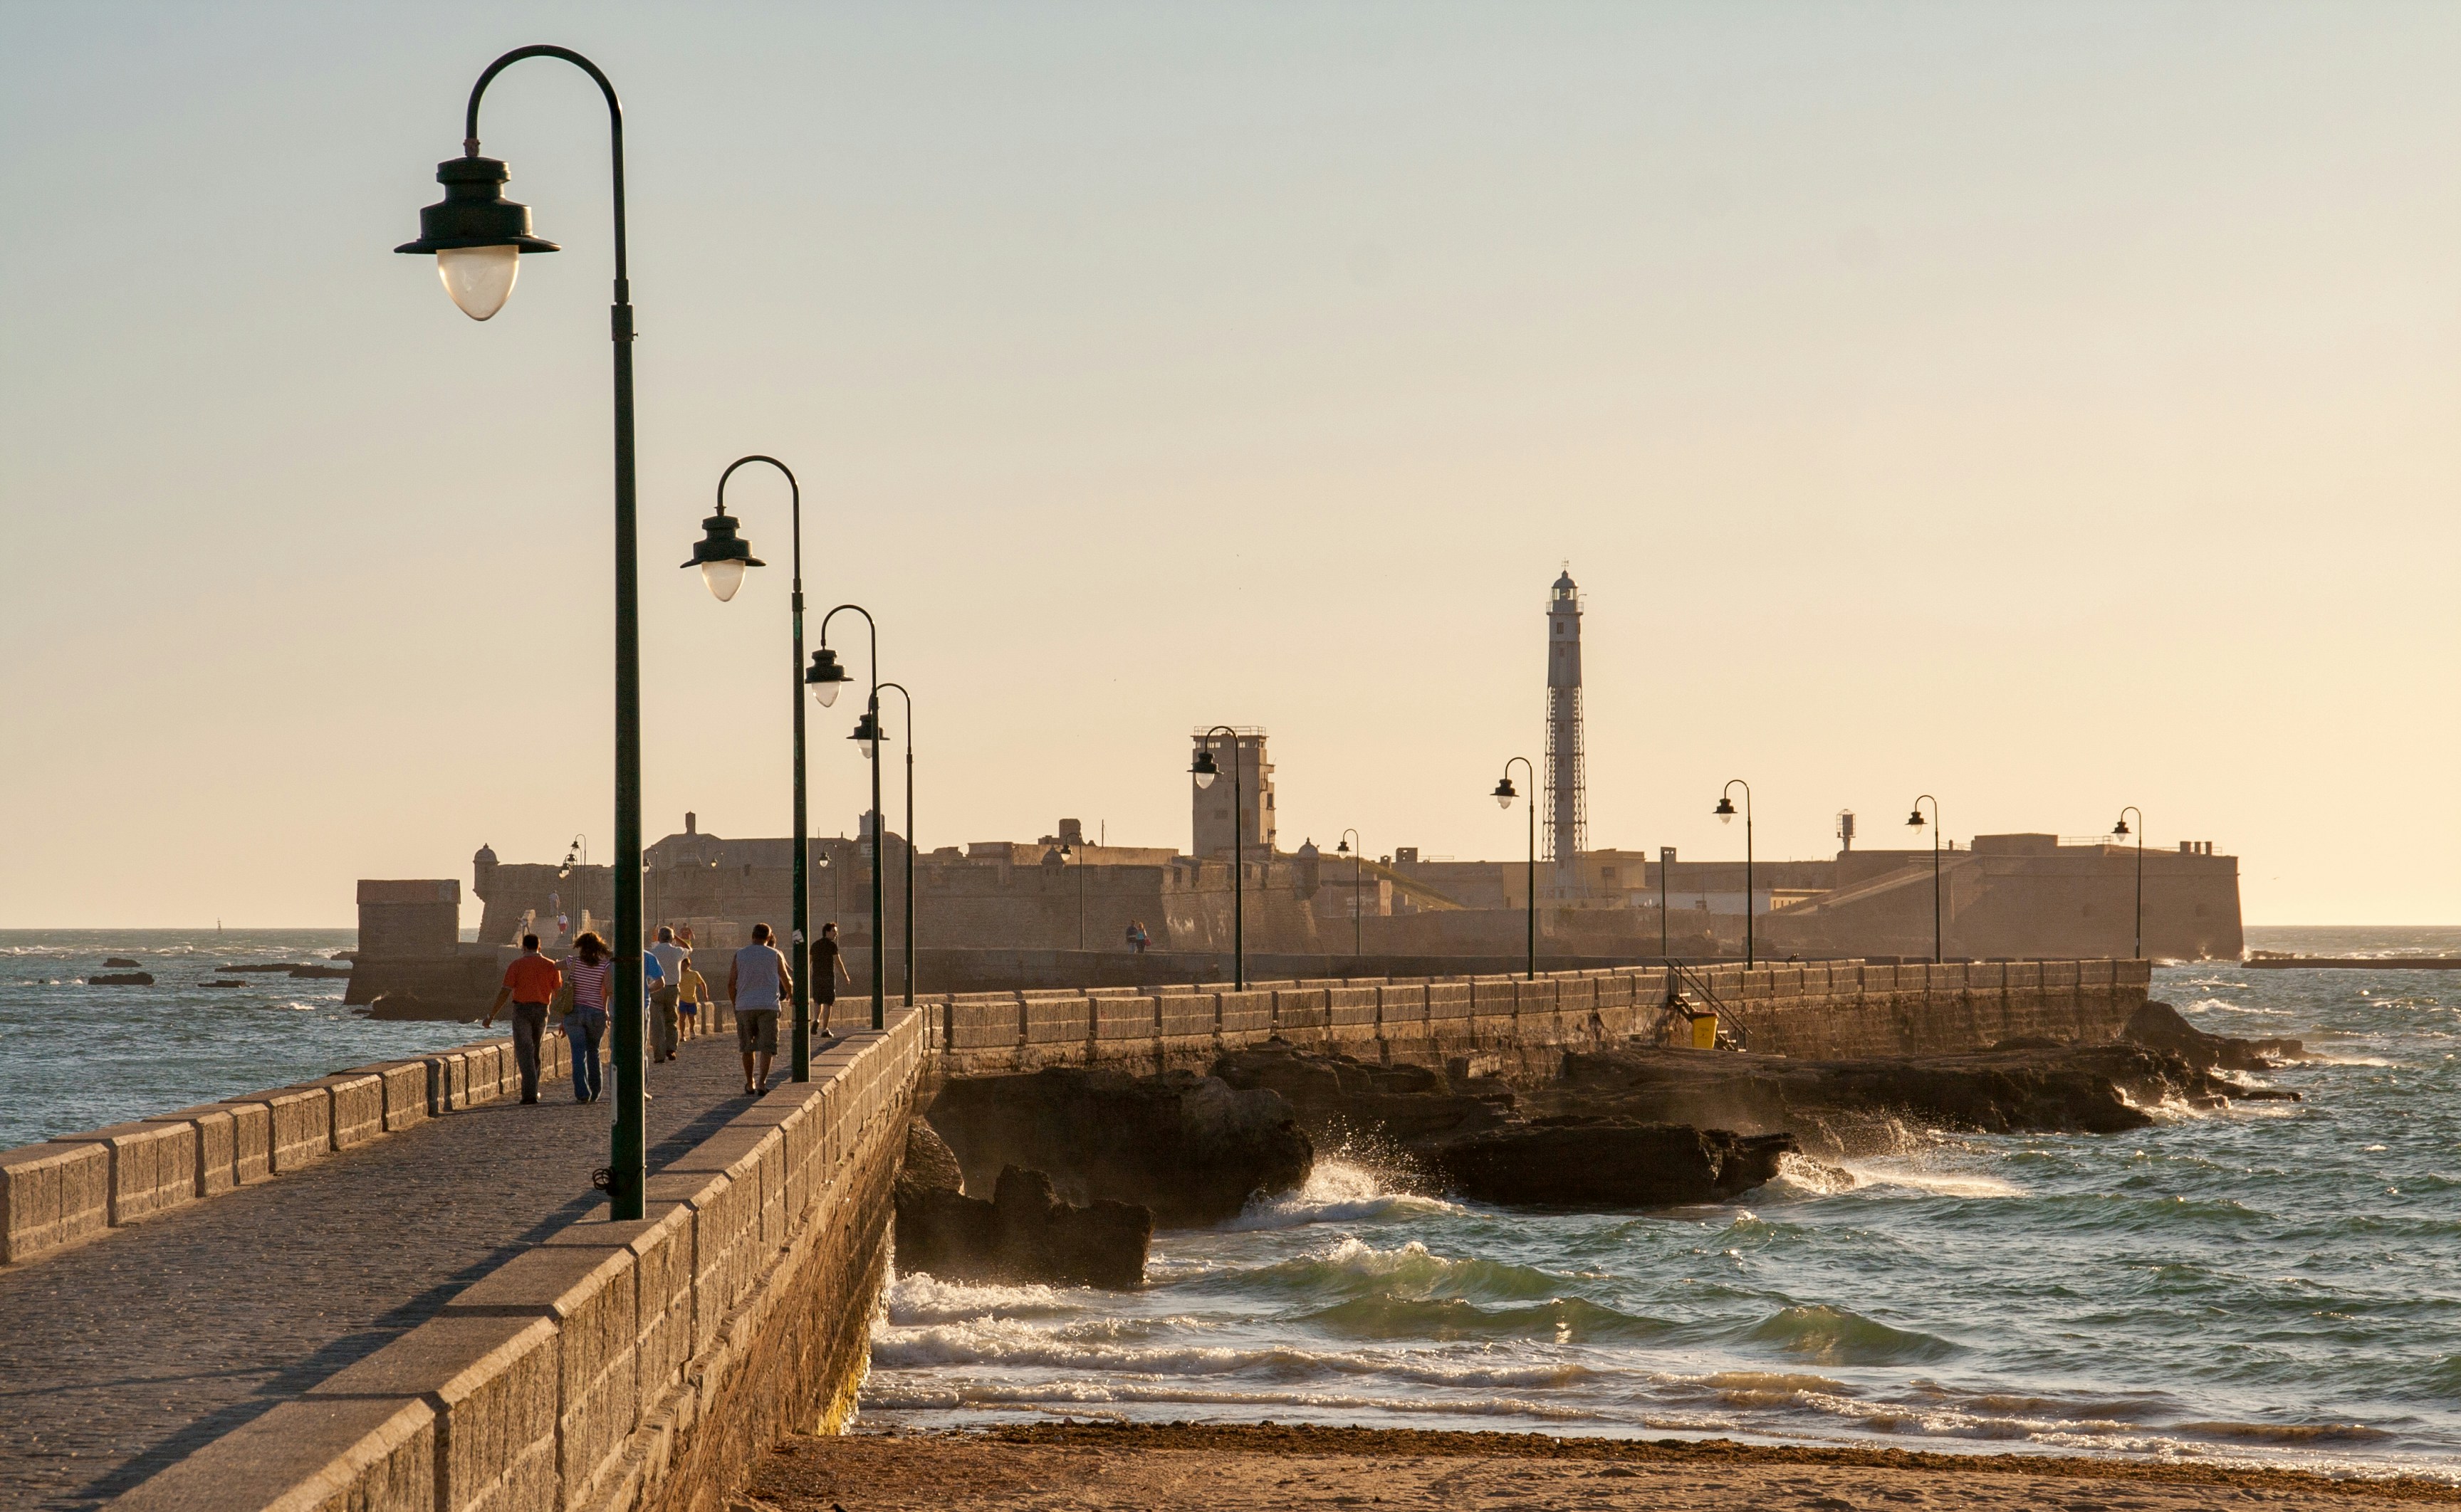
(1704, 1031)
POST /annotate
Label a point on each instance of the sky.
(2048, 407)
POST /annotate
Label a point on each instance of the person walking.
(663, 1003)
(529, 985)
(828, 968)
(590, 972)
(1138, 939)
(695, 1000)
(757, 982)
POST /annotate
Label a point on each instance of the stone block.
(1058, 1021)
(153, 1166)
(299, 1125)
(588, 1292)
(251, 1142)
(986, 1023)
(357, 1113)
(1448, 1000)
(663, 1269)
(1402, 1011)
(311, 1454)
(401, 1091)
(1247, 1015)
(1188, 1016)
(487, 1061)
(1123, 1018)
(52, 1196)
(491, 1382)
(1299, 1009)
(217, 1145)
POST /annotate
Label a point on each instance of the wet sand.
(1137, 1467)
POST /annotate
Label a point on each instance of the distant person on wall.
(696, 995)
(590, 973)
(828, 966)
(1138, 939)
(757, 982)
(665, 998)
(529, 985)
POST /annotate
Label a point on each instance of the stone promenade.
(127, 1352)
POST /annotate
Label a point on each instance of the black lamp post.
(910, 838)
(1357, 880)
(1725, 812)
(722, 556)
(1205, 771)
(1915, 820)
(478, 237)
(2121, 828)
(1503, 795)
(827, 676)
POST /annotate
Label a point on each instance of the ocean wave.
(892, 1393)
(1559, 1320)
(918, 1296)
(1837, 1336)
(1338, 1192)
(1010, 1345)
(1353, 1267)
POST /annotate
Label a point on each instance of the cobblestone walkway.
(128, 1353)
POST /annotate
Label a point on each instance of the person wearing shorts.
(758, 981)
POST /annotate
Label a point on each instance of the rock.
(120, 960)
(1337, 1096)
(1590, 1164)
(1191, 1149)
(1845, 1107)
(2158, 1025)
(221, 984)
(269, 968)
(320, 971)
(1023, 1234)
(120, 979)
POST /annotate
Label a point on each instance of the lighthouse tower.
(1568, 799)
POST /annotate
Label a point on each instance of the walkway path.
(128, 1353)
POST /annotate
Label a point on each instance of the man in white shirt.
(667, 1031)
(757, 982)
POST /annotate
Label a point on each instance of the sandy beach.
(1264, 1466)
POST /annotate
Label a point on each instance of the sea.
(2275, 1284)
(74, 1056)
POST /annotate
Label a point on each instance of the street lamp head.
(1725, 810)
(476, 234)
(1504, 794)
(825, 676)
(866, 733)
(1204, 770)
(2120, 828)
(1342, 850)
(722, 555)
(1916, 818)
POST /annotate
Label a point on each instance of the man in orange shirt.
(530, 983)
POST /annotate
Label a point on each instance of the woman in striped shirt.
(590, 973)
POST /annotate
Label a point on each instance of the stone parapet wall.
(1520, 1027)
(74, 1187)
(618, 1366)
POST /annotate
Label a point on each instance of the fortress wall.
(619, 1366)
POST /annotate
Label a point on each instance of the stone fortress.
(2002, 896)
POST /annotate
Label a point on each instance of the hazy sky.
(2051, 408)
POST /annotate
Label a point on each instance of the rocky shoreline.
(1083, 1164)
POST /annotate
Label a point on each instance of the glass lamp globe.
(1205, 779)
(478, 279)
(723, 579)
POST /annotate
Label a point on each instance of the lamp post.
(1915, 820)
(722, 556)
(2121, 828)
(1503, 795)
(1205, 771)
(478, 237)
(827, 676)
(1357, 880)
(910, 838)
(1725, 812)
(1665, 896)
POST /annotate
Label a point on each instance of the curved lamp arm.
(614, 127)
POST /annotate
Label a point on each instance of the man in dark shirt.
(828, 966)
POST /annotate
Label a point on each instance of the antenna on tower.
(1846, 827)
